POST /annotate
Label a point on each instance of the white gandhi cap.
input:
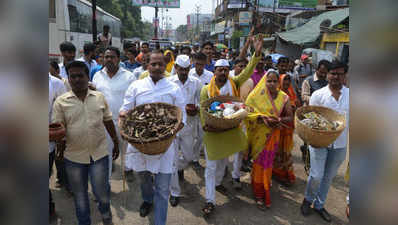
(183, 61)
(222, 62)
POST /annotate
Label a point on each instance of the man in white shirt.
(191, 88)
(113, 81)
(326, 161)
(68, 52)
(154, 170)
(89, 56)
(55, 88)
(199, 71)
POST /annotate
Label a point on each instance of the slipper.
(208, 209)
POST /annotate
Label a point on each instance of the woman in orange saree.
(283, 163)
(266, 103)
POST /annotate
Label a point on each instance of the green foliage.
(235, 38)
(132, 24)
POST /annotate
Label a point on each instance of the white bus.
(71, 20)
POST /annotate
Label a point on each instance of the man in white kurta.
(154, 170)
(113, 82)
(199, 60)
(190, 87)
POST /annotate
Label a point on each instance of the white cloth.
(323, 97)
(183, 156)
(90, 65)
(237, 164)
(221, 62)
(204, 78)
(232, 73)
(214, 173)
(56, 88)
(137, 72)
(113, 88)
(183, 61)
(62, 71)
(226, 89)
(146, 91)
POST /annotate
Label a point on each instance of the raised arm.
(243, 52)
(248, 71)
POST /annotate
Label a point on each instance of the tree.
(130, 16)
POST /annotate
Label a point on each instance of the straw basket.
(153, 146)
(220, 123)
(318, 138)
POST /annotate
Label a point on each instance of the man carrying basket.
(219, 145)
(154, 170)
(326, 161)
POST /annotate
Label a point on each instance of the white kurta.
(204, 78)
(114, 89)
(146, 91)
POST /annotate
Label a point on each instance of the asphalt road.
(237, 207)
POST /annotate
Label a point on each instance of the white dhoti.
(214, 174)
(198, 144)
(184, 155)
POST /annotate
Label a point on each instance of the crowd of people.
(91, 95)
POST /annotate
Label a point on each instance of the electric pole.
(156, 20)
(94, 19)
(197, 10)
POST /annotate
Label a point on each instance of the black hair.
(89, 47)
(283, 60)
(325, 63)
(268, 57)
(207, 43)
(67, 46)
(200, 56)
(106, 26)
(100, 51)
(185, 47)
(128, 44)
(157, 51)
(145, 43)
(239, 60)
(116, 50)
(337, 64)
(77, 64)
(132, 51)
(54, 65)
(274, 72)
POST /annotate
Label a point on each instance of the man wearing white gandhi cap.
(219, 145)
(184, 141)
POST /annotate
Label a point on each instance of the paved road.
(237, 207)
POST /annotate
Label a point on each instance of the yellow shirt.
(146, 73)
(84, 122)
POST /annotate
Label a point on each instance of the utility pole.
(273, 17)
(197, 10)
(156, 20)
(94, 19)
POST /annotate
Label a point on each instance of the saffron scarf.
(169, 65)
(214, 91)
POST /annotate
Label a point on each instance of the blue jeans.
(324, 165)
(158, 193)
(78, 180)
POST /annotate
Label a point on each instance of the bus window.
(73, 18)
(52, 8)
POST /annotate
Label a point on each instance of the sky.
(178, 16)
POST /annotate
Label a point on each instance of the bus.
(163, 43)
(71, 20)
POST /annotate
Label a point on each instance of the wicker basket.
(221, 124)
(318, 138)
(153, 146)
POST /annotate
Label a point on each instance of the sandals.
(208, 209)
(260, 204)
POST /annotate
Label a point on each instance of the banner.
(245, 18)
(288, 4)
(158, 3)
